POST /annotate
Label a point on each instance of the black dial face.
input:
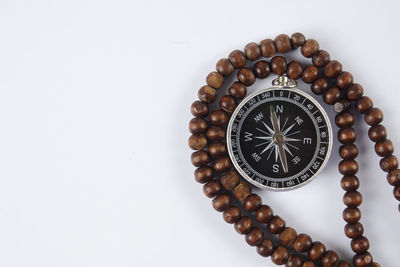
(279, 138)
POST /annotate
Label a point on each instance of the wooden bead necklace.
(255, 142)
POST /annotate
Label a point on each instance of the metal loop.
(284, 81)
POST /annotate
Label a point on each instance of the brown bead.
(352, 199)
(343, 264)
(346, 135)
(203, 174)
(221, 202)
(351, 215)
(217, 150)
(373, 116)
(280, 255)
(316, 251)
(255, 236)
(355, 92)
(198, 125)
(215, 80)
(231, 214)
(216, 133)
(238, 59)
(230, 180)
(310, 48)
(302, 243)
(262, 69)
(363, 104)
(297, 39)
(332, 95)
(252, 51)
(227, 103)
(264, 214)
(197, 141)
(330, 259)
(199, 109)
(350, 183)
(252, 202)
(333, 69)
(282, 43)
(389, 163)
(384, 148)
(241, 191)
(294, 261)
(222, 164)
(309, 264)
(360, 245)
(244, 225)
(212, 188)
(344, 80)
(396, 192)
(278, 65)
(207, 94)
(321, 58)
(341, 105)
(363, 260)
(238, 90)
(276, 225)
(246, 76)
(320, 86)
(354, 230)
(393, 177)
(225, 67)
(348, 151)
(348, 167)
(265, 248)
(345, 119)
(287, 236)
(377, 133)
(310, 74)
(294, 70)
(219, 117)
(268, 48)
(200, 158)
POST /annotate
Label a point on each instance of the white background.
(94, 108)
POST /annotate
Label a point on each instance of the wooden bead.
(350, 183)
(217, 150)
(221, 202)
(360, 245)
(348, 151)
(265, 248)
(344, 80)
(198, 125)
(231, 214)
(278, 65)
(388, 164)
(276, 225)
(363, 260)
(255, 236)
(197, 141)
(310, 48)
(310, 74)
(317, 251)
(262, 69)
(268, 48)
(252, 202)
(252, 51)
(246, 76)
(294, 261)
(238, 59)
(346, 135)
(343, 264)
(351, 215)
(203, 174)
(377, 133)
(207, 94)
(199, 109)
(303, 243)
(345, 119)
(384, 148)
(352, 199)
(294, 70)
(348, 167)
(341, 105)
(373, 116)
(230, 180)
(215, 79)
(393, 177)
(241, 191)
(287, 236)
(212, 188)
(297, 39)
(244, 225)
(222, 164)
(330, 259)
(363, 104)
(321, 58)
(200, 158)
(396, 192)
(219, 117)
(225, 67)
(227, 103)
(216, 133)
(355, 92)
(354, 230)
(309, 264)
(320, 86)
(238, 90)
(331, 96)
(280, 255)
(333, 69)
(282, 43)
(264, 214)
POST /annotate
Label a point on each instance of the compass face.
(279, 138)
